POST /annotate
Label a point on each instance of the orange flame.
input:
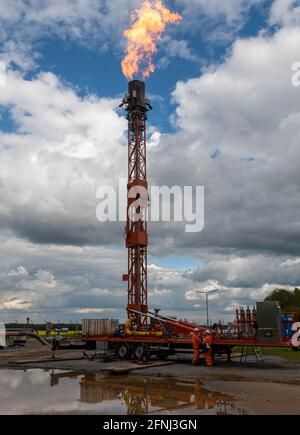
(148, 24)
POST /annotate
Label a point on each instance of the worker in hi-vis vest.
(196, 340)
(208, 340)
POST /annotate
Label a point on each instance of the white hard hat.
(207, 331)
(196, 330)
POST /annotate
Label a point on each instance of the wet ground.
(82, 386)
(38, 391)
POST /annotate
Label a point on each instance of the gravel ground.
(269, 388)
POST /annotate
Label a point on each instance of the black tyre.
(123, 351)
(138, 351)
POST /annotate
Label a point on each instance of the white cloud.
(251, 271)
(291, 262)
(15, 304)
(215, 20)
(67, 288)
(19, 272)
(246, 109)
(285, 12)
(206, 287)
(92, 23)
(267, 289)
(173, 48)
(99, 24)
(85, 311)
(231, 10)
(63, 149)
(44, 281)
(154, 140)
(162, 292)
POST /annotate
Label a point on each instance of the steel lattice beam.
(136, 230)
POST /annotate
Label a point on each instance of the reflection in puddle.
(42, 392)
(147, 395)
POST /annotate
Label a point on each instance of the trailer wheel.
(138, 351)
(123, 351)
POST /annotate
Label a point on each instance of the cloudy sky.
(226, 117)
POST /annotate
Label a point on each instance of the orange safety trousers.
(209, 359)
(196, 347)
(209, 353)
(196, 356)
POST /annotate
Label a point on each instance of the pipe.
(27, 334)
(131, 333)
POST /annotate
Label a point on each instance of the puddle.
(56, 392)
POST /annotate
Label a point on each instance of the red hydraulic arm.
(179, 326)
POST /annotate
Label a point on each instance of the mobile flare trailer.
(157, 334)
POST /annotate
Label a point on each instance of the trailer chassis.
(133, 347)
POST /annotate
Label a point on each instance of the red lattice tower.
(136, 107)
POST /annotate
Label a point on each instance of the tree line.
(289, 300)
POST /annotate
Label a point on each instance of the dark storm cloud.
(68, 232)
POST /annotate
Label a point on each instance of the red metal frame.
(136, 231)
(216, 342)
